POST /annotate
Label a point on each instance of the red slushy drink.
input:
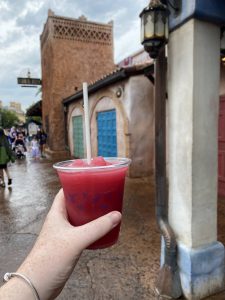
(93, 190)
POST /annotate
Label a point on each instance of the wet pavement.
(126, 271)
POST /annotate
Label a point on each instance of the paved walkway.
(125, 271)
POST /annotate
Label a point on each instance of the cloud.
(4, 7)
(126, 43)
(21, 23)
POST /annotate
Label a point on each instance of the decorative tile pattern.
(82, 31)
(78, 136)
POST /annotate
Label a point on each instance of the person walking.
(6, 155)
(35, 150)
(12, 134)
(42, 138)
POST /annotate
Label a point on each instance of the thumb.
(94, 230)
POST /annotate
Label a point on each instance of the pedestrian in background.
(20, 141)
(35, 150)
(42, 138)
(6, 155)
(7, 133)
(13, 134)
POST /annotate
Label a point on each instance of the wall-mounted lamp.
(154, 27)
(119, 92)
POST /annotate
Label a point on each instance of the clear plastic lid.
(114, 163)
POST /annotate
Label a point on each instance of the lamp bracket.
(155, 3)
(222, 43)
(173, 5)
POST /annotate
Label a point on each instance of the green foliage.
(8, 118)
(34, 118)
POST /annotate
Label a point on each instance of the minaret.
(72, 51)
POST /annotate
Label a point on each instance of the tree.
(8, 118)
(34, 118)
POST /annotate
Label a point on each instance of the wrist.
(16, 289)
(25, 279)
(35, 271)
(35, 278)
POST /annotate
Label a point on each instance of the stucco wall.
(140, 109)
(135, 121)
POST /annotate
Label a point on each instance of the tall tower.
(72, 51)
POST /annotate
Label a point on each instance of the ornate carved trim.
(82, 31)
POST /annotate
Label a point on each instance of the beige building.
(139, 57)
(121, 118)
(16, 108)
(72, 51)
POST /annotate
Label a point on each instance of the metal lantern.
(154, 27)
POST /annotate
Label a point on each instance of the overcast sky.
(21, 23)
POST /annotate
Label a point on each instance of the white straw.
(87, 122)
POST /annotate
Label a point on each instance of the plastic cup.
(91, 192)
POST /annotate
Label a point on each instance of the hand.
(58, 248)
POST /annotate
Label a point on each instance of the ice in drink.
(93, 190)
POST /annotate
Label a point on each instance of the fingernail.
(115, 217)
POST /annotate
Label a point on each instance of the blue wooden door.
(107, 138)
(78, 144)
